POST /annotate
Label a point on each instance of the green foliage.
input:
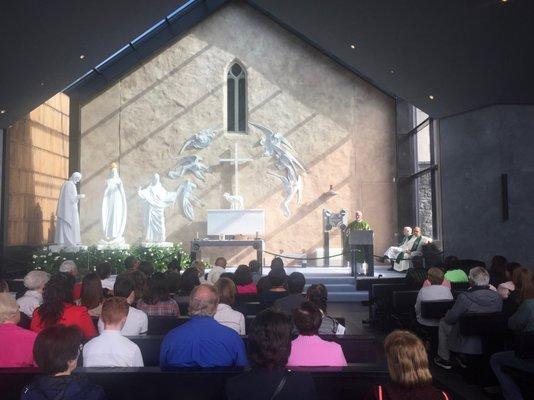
(86, 260)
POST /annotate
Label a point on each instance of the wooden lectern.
(361, 240)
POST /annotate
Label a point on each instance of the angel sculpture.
(290, 189)
(186, 196)
(236, 201)
(275, 145)
(271, 141)
(191, 164)
(199, 140)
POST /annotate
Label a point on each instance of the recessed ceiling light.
(2, 111)
(353, 46)
(391, 71)
(42, 83)
(82, 56)
(504, 1)
(431, 97)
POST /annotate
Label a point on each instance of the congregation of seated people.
(499, 298)
(102, 311)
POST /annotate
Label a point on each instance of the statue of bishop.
(155, 199)
(68, 220)
(114, 208)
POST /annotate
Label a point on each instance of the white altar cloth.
(236, 222)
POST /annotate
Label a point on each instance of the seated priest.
(410, 247)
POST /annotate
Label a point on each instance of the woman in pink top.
(16, 348)
(308, 349)
(243, 280)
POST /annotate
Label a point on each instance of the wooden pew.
(357, 348)
(346, 383)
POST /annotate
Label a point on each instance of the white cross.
(236, 161)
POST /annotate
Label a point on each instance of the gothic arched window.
(236, 99)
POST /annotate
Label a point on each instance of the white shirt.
(215, 274)
(136, 323)
(29, 302)
(431, 293)
(111, 349)
(226, 316)
(109, 282)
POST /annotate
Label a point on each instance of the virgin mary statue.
(155, 199)
(114, 208)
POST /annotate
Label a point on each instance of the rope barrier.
(307, 259)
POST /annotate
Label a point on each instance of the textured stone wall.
(476, 148)
(424, 205)
(341, 127)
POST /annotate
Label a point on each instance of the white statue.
(236, 201)
(68, 220)
(290, 189)
(191, 164)
(185, 193)
(275, 145)
(114, 207)
(199, 140)
(155, 199)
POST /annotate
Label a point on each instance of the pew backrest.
(345, 383)
(357, 348)
(435, 309)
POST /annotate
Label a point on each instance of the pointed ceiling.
(465, 54)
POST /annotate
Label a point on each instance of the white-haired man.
(393, 251)
(410, 247)
(35, 282)
(202, 341)
(69, 267)
(478, 299)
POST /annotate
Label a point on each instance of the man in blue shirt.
(202, 342)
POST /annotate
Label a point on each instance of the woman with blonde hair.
(225, 315)
(408, 369)
(201, 268)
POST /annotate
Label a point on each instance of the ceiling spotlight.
(82, 56)
(353, 46)
(2, 111)
(391, 71)
(504, 1)
(42, 83)
(431, 97)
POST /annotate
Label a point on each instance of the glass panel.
(423, 205)
(230, 106)
(419, 116)
(236, 70)
(423, 151)
(242, 105)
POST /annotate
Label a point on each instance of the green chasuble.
(414, 247)
(356, 226)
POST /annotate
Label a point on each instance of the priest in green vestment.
(357, 225)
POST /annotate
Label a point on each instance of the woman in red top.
(58, 308)
(243, 280)
(408, 370)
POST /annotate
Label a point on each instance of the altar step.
(341, 288)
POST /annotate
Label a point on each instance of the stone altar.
(236, 222)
